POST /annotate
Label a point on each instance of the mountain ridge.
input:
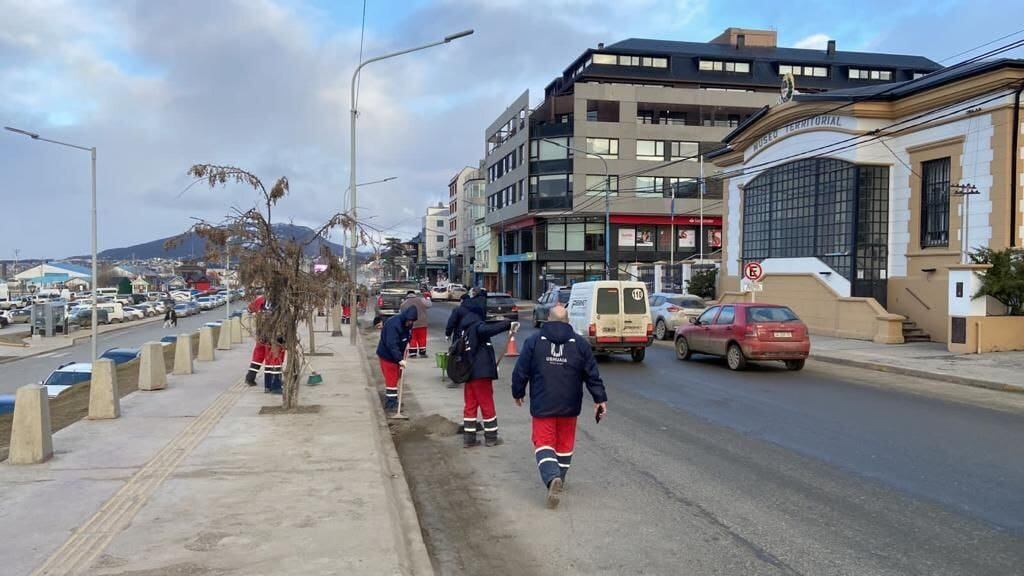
(191, 246)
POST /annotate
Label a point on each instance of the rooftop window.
(724, 66)
(629, 60)
(799, 70)
(866, 74)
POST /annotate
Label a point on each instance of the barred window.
(935, 203)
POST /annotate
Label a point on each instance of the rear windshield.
(401, 286)
(688, 302)
(67, 378)
(500, 301)
(607, 300)
(634, 301)
(770, 314)
(563, 297)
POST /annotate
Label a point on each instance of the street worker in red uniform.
(391, 352)
(555, 363)
(273, 368)
(262, 347)
(478, 392)
(418, 339)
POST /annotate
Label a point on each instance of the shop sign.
(627, 237)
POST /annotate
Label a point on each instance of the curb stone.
(403, 510)
(950, 378)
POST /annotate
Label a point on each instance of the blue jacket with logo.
(555, 363)
(395, 336)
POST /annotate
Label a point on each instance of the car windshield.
(67, 378)
(495, 301)
(770, 314)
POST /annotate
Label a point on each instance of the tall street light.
(607, 206)
(352, 154)
(360, 185)
(95, 275)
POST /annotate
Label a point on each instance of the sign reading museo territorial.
(820, 121)
(753, 271)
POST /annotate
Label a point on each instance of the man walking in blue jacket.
(555, 363)
(391, 352)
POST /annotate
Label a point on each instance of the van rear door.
(607, 314)
(635, 314)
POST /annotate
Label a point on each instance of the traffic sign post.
(753, 272)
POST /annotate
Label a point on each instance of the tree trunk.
(292, 369)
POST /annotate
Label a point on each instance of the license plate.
(782, 334)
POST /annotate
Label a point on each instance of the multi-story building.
(474, 212)
(434, 264)
(609, 181)
(464, 189)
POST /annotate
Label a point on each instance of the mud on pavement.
(455, 512)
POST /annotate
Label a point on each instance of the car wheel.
(638, 354)
(682, 348)
(795, 365)
(734, 357)
(660, 330)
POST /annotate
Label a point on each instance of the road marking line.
(116, 514)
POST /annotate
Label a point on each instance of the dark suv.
(549, 300)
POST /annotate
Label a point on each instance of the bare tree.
(277, 266)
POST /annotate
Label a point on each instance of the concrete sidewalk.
(930, 360)
(194, 481)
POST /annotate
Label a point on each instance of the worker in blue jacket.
(391, 352)
(456, 316)
(478, 392)
(555, 363)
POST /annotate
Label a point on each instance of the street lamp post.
(95, 274)
(607, 206)
(352, 156)
(344, 241)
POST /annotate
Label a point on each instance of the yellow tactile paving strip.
(93, 537)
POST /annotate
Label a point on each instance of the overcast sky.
(263, 84)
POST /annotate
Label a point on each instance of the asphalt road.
(37, 368)
(699, 470)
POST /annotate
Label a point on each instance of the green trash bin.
(441, 359)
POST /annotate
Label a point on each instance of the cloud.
(817, 41)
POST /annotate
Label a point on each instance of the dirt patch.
(421, 427)
(16, 340)
(182, 569)
(311, 409)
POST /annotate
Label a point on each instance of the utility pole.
(700, 241)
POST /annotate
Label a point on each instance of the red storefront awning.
(657, 219)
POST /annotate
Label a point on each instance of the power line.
(982, 45)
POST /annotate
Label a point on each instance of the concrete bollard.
(236, 330)
(183, 354)
(336, 320)
(104, 400)
(152, 372)
(31, 438)
(224, 337)
(206, 353)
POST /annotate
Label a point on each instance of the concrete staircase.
(913, 333)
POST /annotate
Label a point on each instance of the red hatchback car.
(744, 331)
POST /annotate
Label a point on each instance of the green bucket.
(441, 359)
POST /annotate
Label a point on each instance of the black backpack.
(460, 357)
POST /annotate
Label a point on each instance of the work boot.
(554, 493)
(250, 378)
(390, 405)
(492, 441)
(469, 439)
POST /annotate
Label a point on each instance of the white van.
(613, 316)
(106, 291)
(115, 311)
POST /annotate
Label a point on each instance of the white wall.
(835, 280)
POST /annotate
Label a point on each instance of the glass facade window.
(574, 237)
(605, 59)
(684, 150)
(650, 150)
(865, 74)
(798, 70)
(594, 237)
(551, 149)
(823, 208)
(607, 148)
(935, 203)
(596, 185)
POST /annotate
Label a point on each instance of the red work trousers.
(259, 356)
(554, 439)
(479, 395)
(418, 341)
(392, 373)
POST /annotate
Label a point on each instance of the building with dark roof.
(863, 205)
(647, 111)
